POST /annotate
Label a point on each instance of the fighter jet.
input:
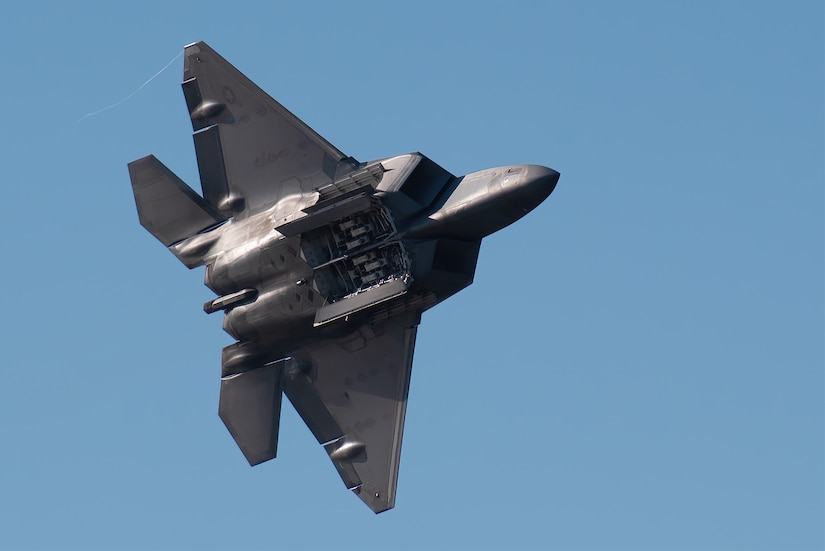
(322, 265)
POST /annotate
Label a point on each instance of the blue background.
(638, 365)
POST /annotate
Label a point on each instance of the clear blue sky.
(638, 365)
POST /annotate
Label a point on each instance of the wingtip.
(199, 46)
(376, 500)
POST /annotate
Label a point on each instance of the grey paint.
(322, 265)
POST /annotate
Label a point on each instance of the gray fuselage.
(392, 238)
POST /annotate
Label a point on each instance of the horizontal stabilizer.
(167, 207)
(250, 407)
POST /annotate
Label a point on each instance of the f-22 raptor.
(322, 265)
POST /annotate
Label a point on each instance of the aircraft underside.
(322, 265)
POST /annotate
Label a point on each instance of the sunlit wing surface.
(251, 150)
(352, 393)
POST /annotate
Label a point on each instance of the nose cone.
(485, 202)
(536, 186)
